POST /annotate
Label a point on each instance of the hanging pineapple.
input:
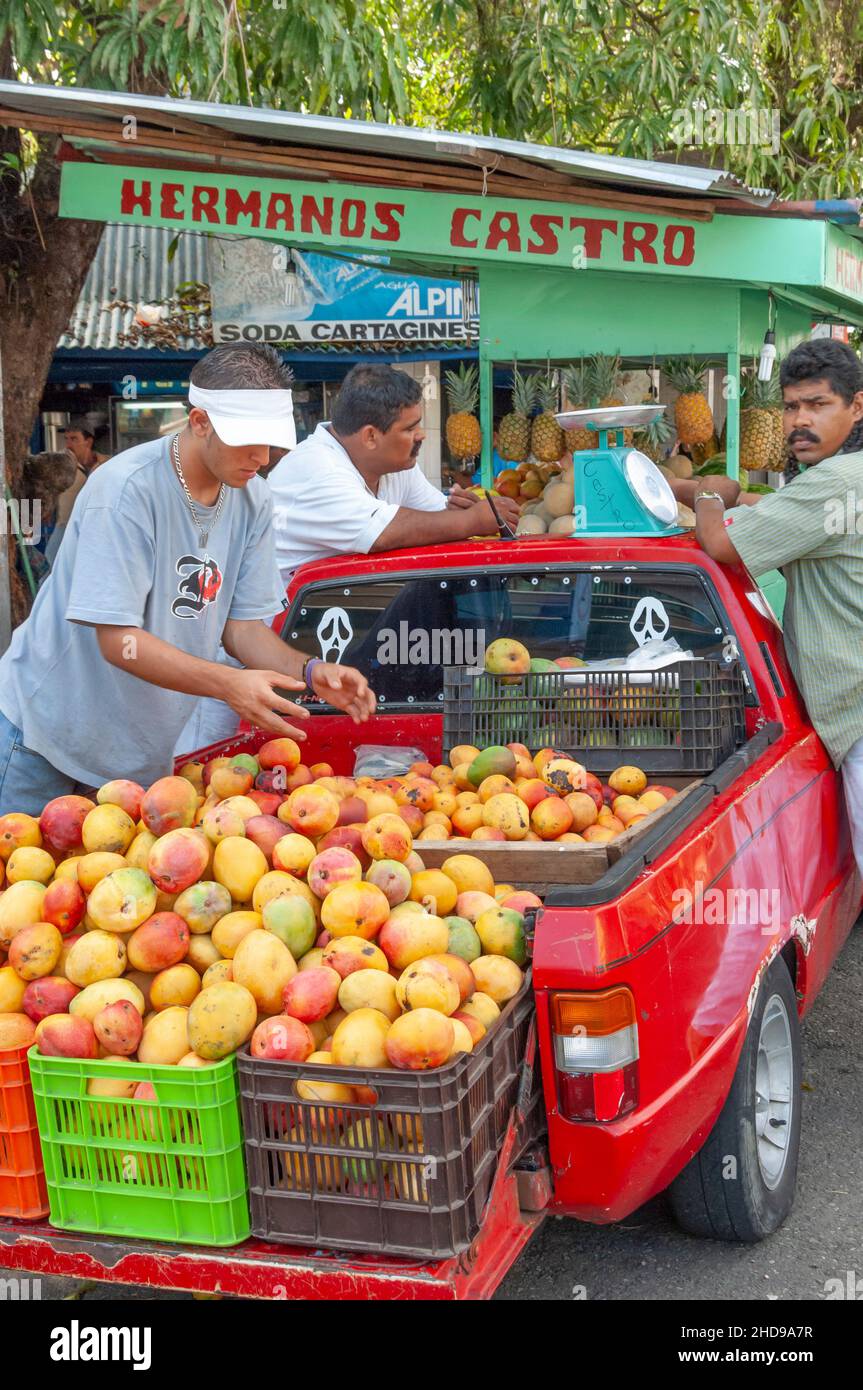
(513, 436)
(756, 423)
(692, 414)
(576, 385)
(605, 389)
(775, 407)
(463, 434)
(547, 441)
(654, 439)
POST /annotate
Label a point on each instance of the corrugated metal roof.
(373, 137)
(132, 266)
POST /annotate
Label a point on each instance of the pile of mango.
(173, 924)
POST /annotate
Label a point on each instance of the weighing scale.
(618, 490)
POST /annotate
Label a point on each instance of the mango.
(419, 1040)
(264, 966)
(98, 955)
(20, 906)
(220, 1020)
(507, 657)
(495, 761)
(238, 864)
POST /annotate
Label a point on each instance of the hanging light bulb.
(767, 357)
(294, 296)
(768, 347)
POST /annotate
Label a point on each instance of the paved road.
(647, 1257)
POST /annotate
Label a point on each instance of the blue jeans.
(27, 780)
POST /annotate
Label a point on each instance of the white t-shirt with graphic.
(324, 507)
(132, 557)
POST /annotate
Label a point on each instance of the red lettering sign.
(544, 225)
(312, 214)
(132, 197)
(204, 204)
(352, 221)
(236, 207)
(389, 227)
(280, 212)
(638, 237)
(504, 228)
(457, 235)
(686, 235)
(593, 230)
(168, 206)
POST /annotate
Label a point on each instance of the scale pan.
(609, 417)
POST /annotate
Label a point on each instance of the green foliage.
(611, 76)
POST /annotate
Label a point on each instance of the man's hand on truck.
(465, 515)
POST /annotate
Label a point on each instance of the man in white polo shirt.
(354, 486)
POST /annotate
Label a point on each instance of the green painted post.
(486, 407)
(732, 424)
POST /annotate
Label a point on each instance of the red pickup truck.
(700, 947)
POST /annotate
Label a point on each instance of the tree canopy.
(606, 75)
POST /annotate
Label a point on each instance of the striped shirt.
(813, 530)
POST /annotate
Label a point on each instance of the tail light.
(595, 1053)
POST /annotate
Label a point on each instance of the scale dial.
(651, 487)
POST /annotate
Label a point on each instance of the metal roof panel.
(336, 132)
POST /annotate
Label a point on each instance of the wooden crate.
(537, 866)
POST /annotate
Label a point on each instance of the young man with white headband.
(168, 553)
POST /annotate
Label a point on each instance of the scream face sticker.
(334, 634)
(200, 581)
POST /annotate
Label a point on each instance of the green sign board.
(454, 226)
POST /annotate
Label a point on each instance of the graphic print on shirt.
(200, 582)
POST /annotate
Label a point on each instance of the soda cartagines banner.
(383, 220)
(261, 292)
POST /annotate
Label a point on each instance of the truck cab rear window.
(401, 631)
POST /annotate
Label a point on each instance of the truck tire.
(741, 1183)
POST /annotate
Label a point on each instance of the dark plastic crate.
(409, 1175)
(689, 718)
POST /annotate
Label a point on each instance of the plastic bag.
(380, 760)
(655, 654)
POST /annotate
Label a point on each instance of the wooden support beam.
(229, 153)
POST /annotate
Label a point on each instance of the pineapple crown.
(523, 392)
(760, 395)
(547, 392)
(576, 384)
(603, 374)
(684, 374)
(463, 388)
(658, 432)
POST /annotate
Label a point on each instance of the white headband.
(249, 417)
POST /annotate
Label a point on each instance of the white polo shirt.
(323, 506)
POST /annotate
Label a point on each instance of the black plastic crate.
(685, 718)
(408, 1175)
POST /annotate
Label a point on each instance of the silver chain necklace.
(203, 535)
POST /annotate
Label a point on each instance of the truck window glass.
(400, 631)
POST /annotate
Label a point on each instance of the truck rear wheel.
(741, 1183)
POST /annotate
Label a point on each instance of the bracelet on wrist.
(308, 668)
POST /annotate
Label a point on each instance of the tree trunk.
(38, 298)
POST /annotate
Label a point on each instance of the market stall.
(574, 256)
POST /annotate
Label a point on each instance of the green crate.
(165, 1169)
